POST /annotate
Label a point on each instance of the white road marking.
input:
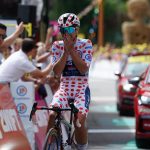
(111, 131)
(97, 98)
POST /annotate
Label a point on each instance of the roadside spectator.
(7, 41)
(18, 64)
(49, 38)
(3, 29)
(17, 44)
(43, 58)
(6, 53)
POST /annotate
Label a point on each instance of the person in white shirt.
(16, 65)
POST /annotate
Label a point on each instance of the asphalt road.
(106, 129)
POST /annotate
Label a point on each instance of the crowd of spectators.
(40, 57)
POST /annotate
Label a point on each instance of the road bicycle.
(55, 139)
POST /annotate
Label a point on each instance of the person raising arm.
(19, 63)
(7, 41)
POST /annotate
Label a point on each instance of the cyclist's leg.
(81, 135)
(59, 100)
(82, 101)
(51, 121)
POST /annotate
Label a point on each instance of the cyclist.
(71, 58)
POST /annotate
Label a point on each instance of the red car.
(142, 109)
(134, 65)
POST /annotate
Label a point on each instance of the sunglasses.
(3, 36)
(68, 30)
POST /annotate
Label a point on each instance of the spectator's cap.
(28, 44)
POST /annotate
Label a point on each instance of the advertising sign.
(12, 134)
(23, 94)
(41, 119)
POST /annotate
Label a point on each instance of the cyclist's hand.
(68, 42)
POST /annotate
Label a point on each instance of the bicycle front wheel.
(52, 140)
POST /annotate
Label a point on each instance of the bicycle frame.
(59, 119)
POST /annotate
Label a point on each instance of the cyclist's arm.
(60, 64)
(82, 63)
(69, 43)
(59, 59)
(79, 63)
(10, 39)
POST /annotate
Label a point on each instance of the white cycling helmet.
(67, 20)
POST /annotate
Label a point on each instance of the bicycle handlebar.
(34, 108)
(56, 109)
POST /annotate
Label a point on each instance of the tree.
(63, 6)
(114, 14)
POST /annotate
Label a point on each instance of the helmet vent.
(65, 18)
(72, 19)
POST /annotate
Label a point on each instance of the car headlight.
(128, 87)
(143, 100)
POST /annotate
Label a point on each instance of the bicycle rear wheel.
(52, 140)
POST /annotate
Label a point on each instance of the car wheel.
(139, 143)
(142, 143)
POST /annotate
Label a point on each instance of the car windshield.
(135, 69)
